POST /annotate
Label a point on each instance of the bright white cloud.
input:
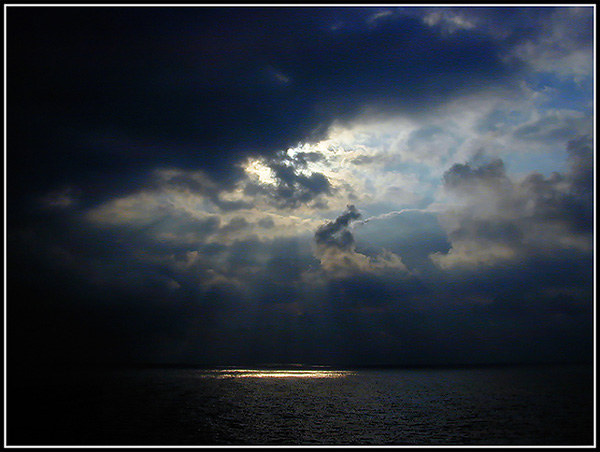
(263, 173)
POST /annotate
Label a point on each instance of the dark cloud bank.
(98, 98)
(112, 92)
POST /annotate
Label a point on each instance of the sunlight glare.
(270, 373)
(257, 168)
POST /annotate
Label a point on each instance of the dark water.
(509, 405)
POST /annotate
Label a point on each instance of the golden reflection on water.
(271, 373)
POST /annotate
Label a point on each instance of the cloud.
(336, 233)
(561, 45)
(336, 250)
(554, 126)
(464, 178)
(189, 206)
(288, 180)
(278, 76)
(60, 199)
(205, 105)
(581, 152)
(546, 39)
(378, 16)
(294, 188)
(218, 177)
(449, 21)
(499, 220)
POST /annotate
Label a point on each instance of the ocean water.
(526, 405)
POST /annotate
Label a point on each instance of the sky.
(318, 185)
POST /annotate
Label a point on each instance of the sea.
(302, 405)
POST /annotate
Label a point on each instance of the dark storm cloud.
(339, 258)
(291, 186)
(304, 157)
(335, 233)
(368, 290)
(464, 177)
(134, 311)
(131, 88)
(197, 183)
(535, 306)
(566, 198)
(294, 189)
(113, 110)
(553, 205)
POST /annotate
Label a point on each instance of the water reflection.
(271, 373)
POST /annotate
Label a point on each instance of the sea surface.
(513, 405)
